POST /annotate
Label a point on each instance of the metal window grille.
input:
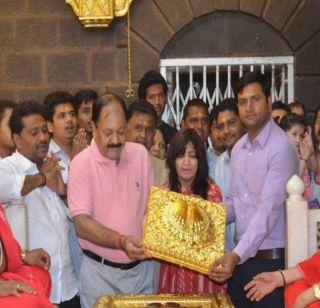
(213, 79)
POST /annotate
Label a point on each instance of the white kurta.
(48, 223)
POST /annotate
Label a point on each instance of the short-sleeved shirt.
(115, 195)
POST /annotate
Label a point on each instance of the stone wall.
(44, 47)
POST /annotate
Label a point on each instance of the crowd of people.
(83, 166)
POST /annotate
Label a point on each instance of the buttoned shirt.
(115, 195)
(222, 173)
(260, 171)
(222, 179)
(48, 223)
(64, 158)
(76, 251)
(212, 159)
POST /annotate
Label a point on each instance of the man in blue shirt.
(230, 130)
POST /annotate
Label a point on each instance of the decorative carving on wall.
(99, 13)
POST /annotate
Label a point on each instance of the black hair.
(52, 100)
(254, 77)
(279, 105)
(24, 109)
(149, 79)
(227, 104)
(177, 147)
(299, 105)
(196, 102)
(142, 106)
(6, 104)
(104, 100)
(84, 96)
(292, 119)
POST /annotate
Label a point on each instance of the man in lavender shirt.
(262, 162)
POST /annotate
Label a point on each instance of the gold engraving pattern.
(164, 300)
(184, 230)
(99, 13)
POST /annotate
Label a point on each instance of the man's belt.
(123, 266)
(270, 254)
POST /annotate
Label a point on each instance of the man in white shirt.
(230, 130)
(62, 122)
(38, 184)
(65, 143)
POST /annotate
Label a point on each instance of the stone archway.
(157, 25)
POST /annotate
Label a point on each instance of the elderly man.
(107, 196)
(38, 184)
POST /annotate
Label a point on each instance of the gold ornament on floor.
(99, 13)
(164, 300)
(184, 230)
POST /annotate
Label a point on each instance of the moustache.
(43, 145)
(114, 145)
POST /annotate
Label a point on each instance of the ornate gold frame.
(162, 241)
(99, 13)
(164, 300)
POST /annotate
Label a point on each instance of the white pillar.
(296, 223)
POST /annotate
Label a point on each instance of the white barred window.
(213, 79)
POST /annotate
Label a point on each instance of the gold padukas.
(184, 230)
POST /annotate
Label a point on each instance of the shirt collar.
(263, 136)
(53, 147)
(24, 163)
(226, 157)
(102, 159)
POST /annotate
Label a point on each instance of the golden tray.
(184, 230)
(164, 300)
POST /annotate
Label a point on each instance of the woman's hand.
(262, 285)
(304, 299)
(38, 257)
(15, 288)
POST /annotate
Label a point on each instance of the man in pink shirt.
(108, 187)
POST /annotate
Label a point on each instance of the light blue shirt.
(222, 179)
(76, 251)
(212, 159)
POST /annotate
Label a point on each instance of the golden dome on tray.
(184, 230)
(186, 220)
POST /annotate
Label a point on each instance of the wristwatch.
(316, 290)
